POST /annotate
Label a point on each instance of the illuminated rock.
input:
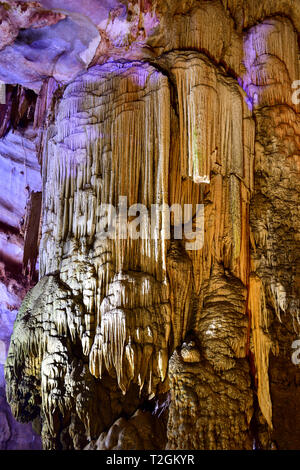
(160, 102)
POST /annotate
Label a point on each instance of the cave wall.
(121, 339)
(20, 180)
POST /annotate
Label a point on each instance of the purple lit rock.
(60, 50)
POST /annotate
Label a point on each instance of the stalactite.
(31, 230)
(43, 102)
(261, 344)
(227, 146)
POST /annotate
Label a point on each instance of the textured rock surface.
(142, 431)
(36, 43)
(144, 343)
(13, 435)
(20, 179)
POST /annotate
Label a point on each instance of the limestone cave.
(149, 225)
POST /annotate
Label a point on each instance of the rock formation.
(20, 182)
(181, 337)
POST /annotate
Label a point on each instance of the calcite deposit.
(181, 337)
